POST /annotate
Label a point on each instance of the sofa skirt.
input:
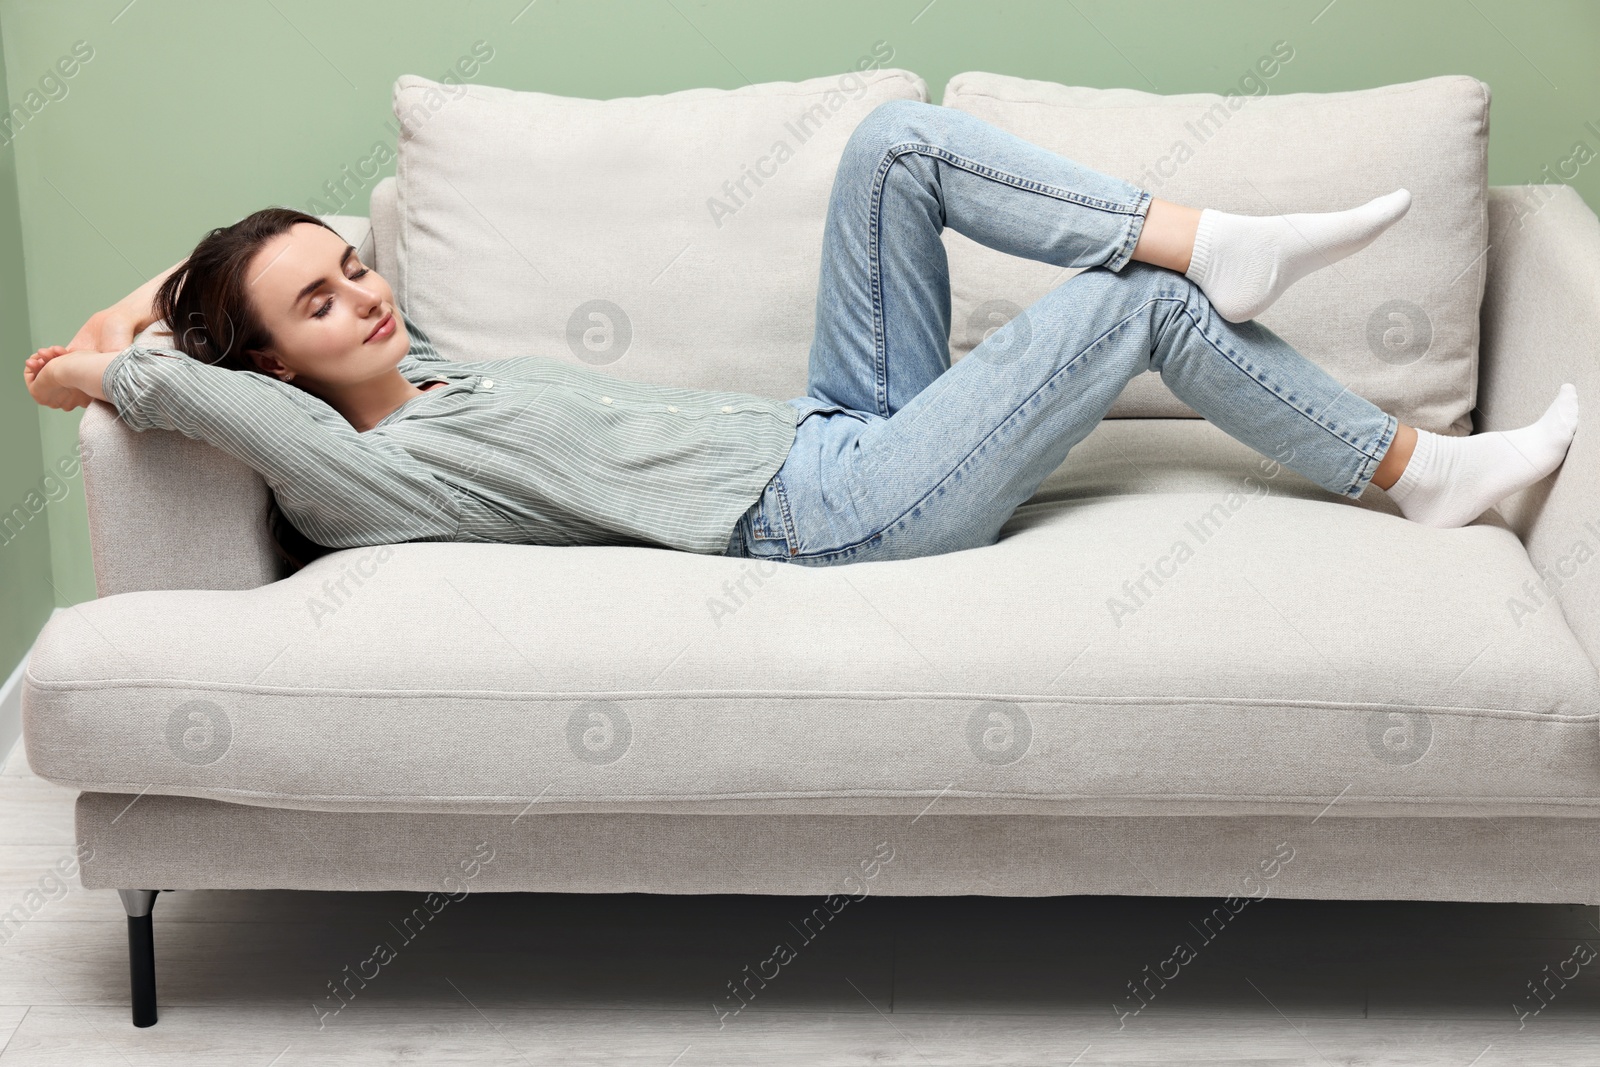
(171, 842)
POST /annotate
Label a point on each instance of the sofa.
(1181, 667)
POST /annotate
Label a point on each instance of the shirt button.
(488, 383)
(605, 400)
(671, 408)
(726, 408)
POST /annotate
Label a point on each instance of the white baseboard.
(11, 705)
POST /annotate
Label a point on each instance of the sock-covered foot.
(1449, 481)
(1244, 262)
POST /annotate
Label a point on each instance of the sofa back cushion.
(673, 239)
(1397, 322)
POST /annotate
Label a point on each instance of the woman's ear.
(268, 364)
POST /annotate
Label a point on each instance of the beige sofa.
(1078, 709)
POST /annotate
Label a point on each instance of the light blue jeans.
(900, 454)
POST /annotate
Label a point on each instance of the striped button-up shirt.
(519, 451)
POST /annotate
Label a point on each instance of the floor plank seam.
(15, 1030)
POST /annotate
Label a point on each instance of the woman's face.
(321, 305)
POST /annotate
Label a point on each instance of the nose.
(366, 294)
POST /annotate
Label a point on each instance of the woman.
(303, 367)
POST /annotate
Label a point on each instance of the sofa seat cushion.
(1174, 624)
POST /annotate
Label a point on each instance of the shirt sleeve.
(340, 488)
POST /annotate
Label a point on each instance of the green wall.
(26, 596)
(192, 114)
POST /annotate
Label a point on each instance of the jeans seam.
(895, 151)
(791, 540)
(1130, 237)
(1370, 467)
(880, 356)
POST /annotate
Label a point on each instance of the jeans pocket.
(771, 524)
(840, 409)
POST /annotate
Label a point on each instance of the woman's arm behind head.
(345, 489)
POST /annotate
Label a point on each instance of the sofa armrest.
(170, 512)
(1541, 327)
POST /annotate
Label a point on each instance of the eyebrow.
(320, 282)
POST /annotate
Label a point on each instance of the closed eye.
(329, 305)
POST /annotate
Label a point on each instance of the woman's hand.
(45, 388)
(114, 328)
(110, 330)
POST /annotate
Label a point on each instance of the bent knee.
(890, 123)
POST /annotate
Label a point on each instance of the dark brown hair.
(204, 302)
(294, 547)
(205, 305)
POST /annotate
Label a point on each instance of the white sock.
(1244, 262)
(1449, 481)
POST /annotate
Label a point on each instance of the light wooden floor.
(632, 979)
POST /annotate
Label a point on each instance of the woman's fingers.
(46, 393)
(49, 393)
(38, 359)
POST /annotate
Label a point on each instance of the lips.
(384, 324)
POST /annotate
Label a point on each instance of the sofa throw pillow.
(673, 239)
(1397, 322)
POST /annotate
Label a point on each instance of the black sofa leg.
(138, 903)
